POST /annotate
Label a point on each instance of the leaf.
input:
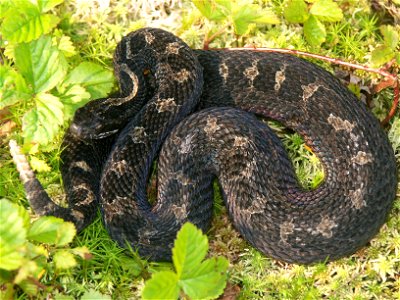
(326, 10)
(161, 285)
(52, 230)
(267, 16)
(314, 31)
(390, 36)
(189, 250)
(26, 270)
(13, 88)
(296, 11)
(381, 55)
(73, 98)
(65, 45)
(46, 5)
(63, 259)
(41, 123)
(39, 165)
(92, 294)
(14, 222)
(208, 281)
(248, 14)
(93, 77)
(212, 10)
(41, 64)
(25, 23)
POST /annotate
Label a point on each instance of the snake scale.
(197, 110)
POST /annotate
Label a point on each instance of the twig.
(208, 40)
(391, 79)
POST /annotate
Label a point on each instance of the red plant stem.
(394, 81)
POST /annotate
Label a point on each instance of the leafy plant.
(240, 14)
(198, 278)
(27, 248)
(312, 18)
(37, 74)
(388, 51)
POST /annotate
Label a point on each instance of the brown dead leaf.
(231, 292)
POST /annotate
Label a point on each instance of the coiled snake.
(112, 142)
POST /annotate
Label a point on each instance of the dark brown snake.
(112, 143)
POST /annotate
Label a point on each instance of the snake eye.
(146, 72)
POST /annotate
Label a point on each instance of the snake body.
(201, 107)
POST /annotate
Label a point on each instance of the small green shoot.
(196, 277)
(296, 11)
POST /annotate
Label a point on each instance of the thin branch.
(391, 79)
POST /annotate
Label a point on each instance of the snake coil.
(202, 106)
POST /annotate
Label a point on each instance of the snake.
(200, 114)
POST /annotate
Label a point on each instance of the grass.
(371, 273)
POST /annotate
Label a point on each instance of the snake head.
(104, 117)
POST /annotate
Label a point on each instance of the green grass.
(368, 274)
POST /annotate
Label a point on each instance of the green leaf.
(296, 11)
(25, 23)
(189, 250)
(13, 88)
(27, 269)
(248, 14)
(390, 36)
(212, 10)
(41, 123)
(161, 285)
(208, 281)
(39, 165)
(314, 31)
(326, 10)
(14, 222)
(381, 55)
(41, 64)
(46, 5)
(65, 45)
(73, 97)
(52, 230)
(63, 259)
(267, 16)
(94, 78)
(92, 294)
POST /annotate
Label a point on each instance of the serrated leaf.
(208, 281)
(63, 259)
(83, 252)
(13, 88)
(41, 123)
(25, 23)
(161, 285)
(46, 5)
(314, 31)
(93, 77)
(39, 165)
(381, 55)
(296, 11)
(14, 222)
(326, 10)
(190, 248)
(390, 36)
(212, 10)
(41, 64)
(52, 230)
(65, 45)
(247, 14)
